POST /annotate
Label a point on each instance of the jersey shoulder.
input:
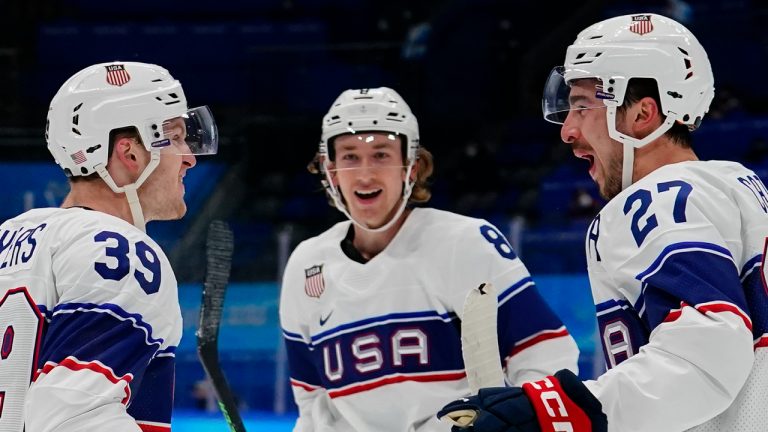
(467, 251)
(681, 194)
(322, 245)
(696, 203)
(438, 232)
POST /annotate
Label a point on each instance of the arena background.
(472, 72)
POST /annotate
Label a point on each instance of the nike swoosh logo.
(325, 320)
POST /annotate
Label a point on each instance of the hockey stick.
(479, 347)
(218, 248)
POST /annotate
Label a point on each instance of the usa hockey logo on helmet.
(314, 284)
(117, 75)
(641, 24)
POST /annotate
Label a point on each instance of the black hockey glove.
(556, 403)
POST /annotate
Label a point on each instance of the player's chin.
(371, 218)
(182, 210)
(176, 212)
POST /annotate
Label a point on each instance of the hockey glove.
(553, 404)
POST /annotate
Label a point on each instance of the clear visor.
(194, 133)
(557, 101)
(367, 151)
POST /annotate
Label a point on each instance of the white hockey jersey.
(376, 346)
(90, 316)
(677, 274)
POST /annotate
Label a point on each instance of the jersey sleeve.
(305, 381)
(699, 351)
(108, 352)
(533, 342)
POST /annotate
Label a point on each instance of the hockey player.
(676, 257)
(371, 309)
(89, 311)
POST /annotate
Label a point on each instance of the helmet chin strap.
(130, 190)
(629, 143)
(336, 196)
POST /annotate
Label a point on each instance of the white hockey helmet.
(369, 110)
(108, 96)
(635, 46)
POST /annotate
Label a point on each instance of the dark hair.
(638, 88)
(115, 134)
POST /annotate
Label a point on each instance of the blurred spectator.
(205, 398)
(583, 205)
(757, 153)
(679, 10)
(726, 104)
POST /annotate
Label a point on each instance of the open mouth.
(587, 157)
(368, 195)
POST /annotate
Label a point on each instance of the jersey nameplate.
(17, 246)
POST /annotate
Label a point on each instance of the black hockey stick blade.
(219, 246)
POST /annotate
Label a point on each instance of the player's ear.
(645, 117)
(415, 170)
(130, 154)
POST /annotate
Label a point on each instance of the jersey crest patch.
(314, 285)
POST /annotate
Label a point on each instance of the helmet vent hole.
(77, 107)
(76, 119)
(173, 95)
(392, 114)
(580, 55)
(375, 122)
(690, 74)
(157, 80)
(76, 131)
(84, 170)
(173, 102)
(335, 117)
(686, 117)
(687, 63)
(596, 37)
(598, 54)
(683, 51)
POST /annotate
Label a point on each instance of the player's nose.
(569, 132)
(188, 161)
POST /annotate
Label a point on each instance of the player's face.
(163, 191)
(369, 171)
(586, 130)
